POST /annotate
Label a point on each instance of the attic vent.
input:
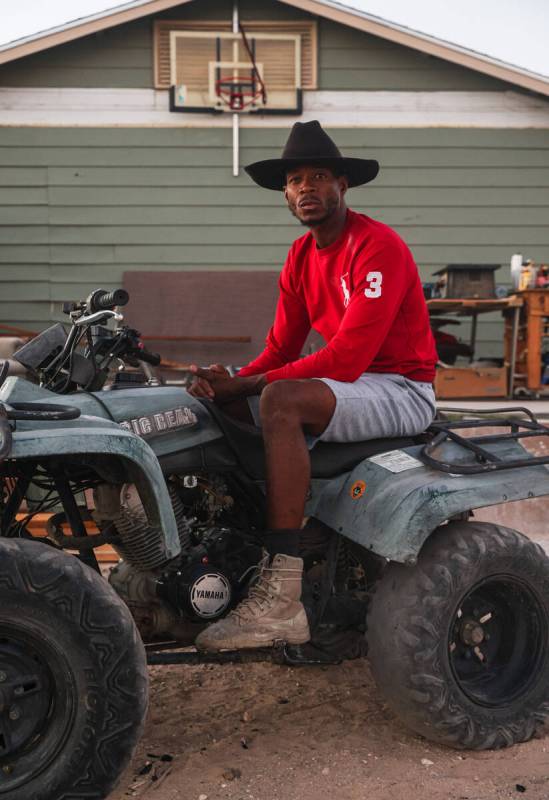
(307, 30)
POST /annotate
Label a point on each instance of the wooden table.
(533, 329)
(472, 307)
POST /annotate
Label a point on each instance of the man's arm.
(381, 282)
(284, 343)
(214, 383)
(289, 331)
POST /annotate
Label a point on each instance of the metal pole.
(74, 518)
(236, 130)
(514, 342)
(236, 148)
(473, 340)
(235, 16)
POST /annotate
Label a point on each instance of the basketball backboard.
(218, 71)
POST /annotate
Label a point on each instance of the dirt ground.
(265, 732)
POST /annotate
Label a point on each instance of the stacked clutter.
(527, 275)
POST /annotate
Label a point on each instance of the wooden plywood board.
(233, 303)
(465, 382)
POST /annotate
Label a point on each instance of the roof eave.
(79, 28)
(329, 9)
(424, 43)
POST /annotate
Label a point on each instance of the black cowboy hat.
(309, 144)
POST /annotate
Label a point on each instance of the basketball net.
(237, 92)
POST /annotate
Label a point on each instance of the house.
(101, 177)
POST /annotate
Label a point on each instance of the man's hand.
(201, 387)
(217, 382)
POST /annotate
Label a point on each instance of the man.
(353, 280)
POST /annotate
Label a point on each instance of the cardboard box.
(473, 382)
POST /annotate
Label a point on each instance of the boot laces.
(263, 591)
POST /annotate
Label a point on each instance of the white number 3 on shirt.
(374, 280)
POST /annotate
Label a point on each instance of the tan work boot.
(272, 612)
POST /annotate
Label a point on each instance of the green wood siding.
(122, 57)
(119, 57)
(350, 59)
(78, 207)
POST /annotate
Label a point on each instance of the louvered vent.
(274, 53)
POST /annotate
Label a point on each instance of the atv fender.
(132, 409)
(393, 513)
(103, 444)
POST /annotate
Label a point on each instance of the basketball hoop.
(222, 72)
(238, 93)
(235, 73)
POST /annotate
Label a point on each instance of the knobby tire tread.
(103, 631)
(406, 637)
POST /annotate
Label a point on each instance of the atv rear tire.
(73, 677)
(459, 643)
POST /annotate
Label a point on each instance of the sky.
(514, 31)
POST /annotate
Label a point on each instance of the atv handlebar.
(153, 359)
(100, 300)
(62, 369)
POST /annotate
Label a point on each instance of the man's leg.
(238, 409)
(289, 409)
(273, 609)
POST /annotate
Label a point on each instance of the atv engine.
(176, 599)
(172, 605)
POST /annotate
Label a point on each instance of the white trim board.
(149, 108)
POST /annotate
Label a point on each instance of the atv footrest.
(348, 645)
(191, 657)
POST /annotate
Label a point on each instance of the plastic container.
(516, 267)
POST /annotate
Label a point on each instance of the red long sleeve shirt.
(363, 294)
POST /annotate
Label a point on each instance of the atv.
(453, 613)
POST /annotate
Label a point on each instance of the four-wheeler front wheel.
(459, 643)
(73, 677)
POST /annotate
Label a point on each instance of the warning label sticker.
(396, 461)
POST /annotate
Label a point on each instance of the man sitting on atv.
(354, 281)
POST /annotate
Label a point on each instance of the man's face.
(314, 194)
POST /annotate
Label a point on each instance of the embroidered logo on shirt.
(345, 290)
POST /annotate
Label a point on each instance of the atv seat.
(328, 459)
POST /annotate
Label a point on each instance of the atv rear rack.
(483, 459)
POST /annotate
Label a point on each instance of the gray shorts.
(376, 406)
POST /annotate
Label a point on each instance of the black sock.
(284, 541)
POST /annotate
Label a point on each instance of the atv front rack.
(482, 458)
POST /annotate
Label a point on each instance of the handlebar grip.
(153, 359)
(101, 300)
(5, 434)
